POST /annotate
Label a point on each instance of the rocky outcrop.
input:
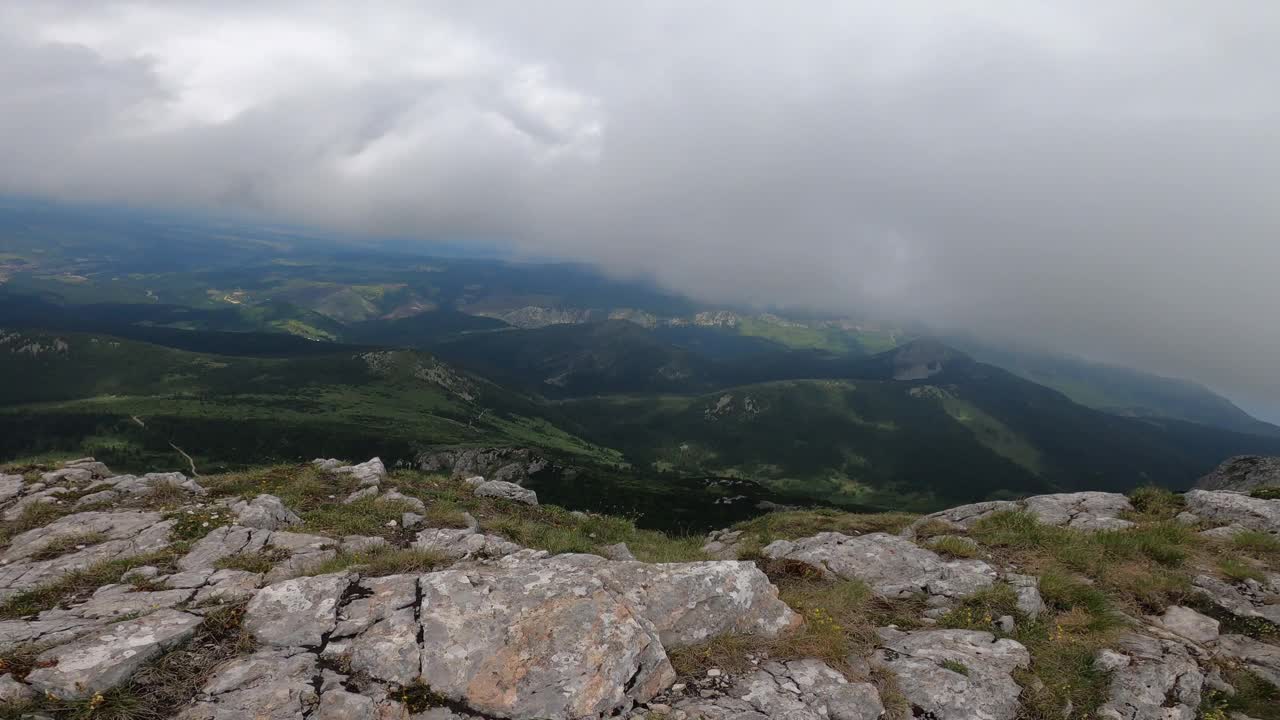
(1243, 473)
(1235, 509)
(508, 464)
(892, 566)
(1085, 511)
(1151, 679)
(954, 674)
(116, 535)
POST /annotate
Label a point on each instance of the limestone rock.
(892, 566)
(1243, 473)
(618, 551)
(10, 487)
(601, 626)
(723, 544)
(397, 496)
(298, 612)
(797, 690)
(104, 659)
(507, 491)
(377, 634)
(1086, 511)
(369, 473)
(1161, 681)
(1261, 658)
(364, 493)
(12, 691)
(265, 512)
(459, 543)
(271, 684)
(1188, 623)
(985, 691)
(1235, 509)
(343, 705)
(1027, 588)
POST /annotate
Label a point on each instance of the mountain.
(913, 427)
(582, 359)
(133, 399)
(1123, 391)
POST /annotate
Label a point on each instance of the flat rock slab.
(265, 512)
(296, 613)
(106, 658)
(891, 565)
(985, 690)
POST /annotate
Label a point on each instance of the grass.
(79, 584)
(951, 546)
(794, 524)
(1253, 697)
(1155, 503)
(159, 688)
(1237, 570)
(1257, 544)
(194, 524)
(1271, 492)
(380, 562)
(261, 561)
(67, 544)
(956, 666)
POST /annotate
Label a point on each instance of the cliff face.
(344, 591)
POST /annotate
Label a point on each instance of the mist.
(1094, 177)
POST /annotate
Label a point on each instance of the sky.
(1098, 176)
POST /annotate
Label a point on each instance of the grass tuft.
(67, 544)
(80, 583)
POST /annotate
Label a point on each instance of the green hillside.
(63, 389)
(967, 431)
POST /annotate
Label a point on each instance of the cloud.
(1097, 177)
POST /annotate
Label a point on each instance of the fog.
(1097, 177)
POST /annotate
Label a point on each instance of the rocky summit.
(338, 591)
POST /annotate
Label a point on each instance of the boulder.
(506, 491)
(396, 496)
(1235, 509)
(600, 628)
(12, 691)
(1151, 680)
(296, 613)
(368, 473)
(617, 551)
(1027, 588)
(460, 543)
(955, 674)
(891, 565)
(102, 660)
(364, 493)
(1084, 511)
(265, 512)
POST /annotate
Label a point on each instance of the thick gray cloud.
(1092, 176)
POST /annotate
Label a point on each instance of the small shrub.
(728, 652)
(1064, 593)
(1270, 492)
(956, 666)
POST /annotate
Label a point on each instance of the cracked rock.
(1160, 681)
(985, 690)
(507, 491)
(265, 512)
(298, 612)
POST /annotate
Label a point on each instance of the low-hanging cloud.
(1098, 177)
